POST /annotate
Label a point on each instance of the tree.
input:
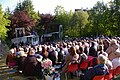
(3, 23)
(63, 18)
(100, 19)
(28, 6)
(59, 10)
(46, 24)
(115, 9)
(21, 19)
(72, 32)
(7, 13)
(79, 19)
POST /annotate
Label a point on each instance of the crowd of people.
(106, 52)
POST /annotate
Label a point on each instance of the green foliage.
(80, 19)
(7, 13)
(105, 19)
(28, 6)
(3, 23)
(46, 24)
(101, 19)
(72, 32)
(63, 18)
(59, 10)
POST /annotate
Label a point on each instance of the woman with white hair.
(108, 63)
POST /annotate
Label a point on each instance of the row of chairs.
(82, 66)
(73, 67)
(109, 76)
(89, 63)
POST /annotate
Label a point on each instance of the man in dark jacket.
(93, 50)
(29, 65)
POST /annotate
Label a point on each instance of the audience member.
(99, 69)
(72, 56)
(29, 64)
(112, 49)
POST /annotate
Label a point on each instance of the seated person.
(30, 62)
(82, 55)
(116, 61)
(99, 69)
(108, 63)
(71, 57)
(11, 58)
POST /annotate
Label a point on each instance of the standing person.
(86, 48)
(29, 65)
(100, 50)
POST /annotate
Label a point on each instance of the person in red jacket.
(10, 60)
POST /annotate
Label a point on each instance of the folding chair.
(110, 76)
(84, 65)
(99, 77)
(90, 59)
(117, 70)
(71, 68)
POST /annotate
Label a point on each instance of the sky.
(48, 6)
